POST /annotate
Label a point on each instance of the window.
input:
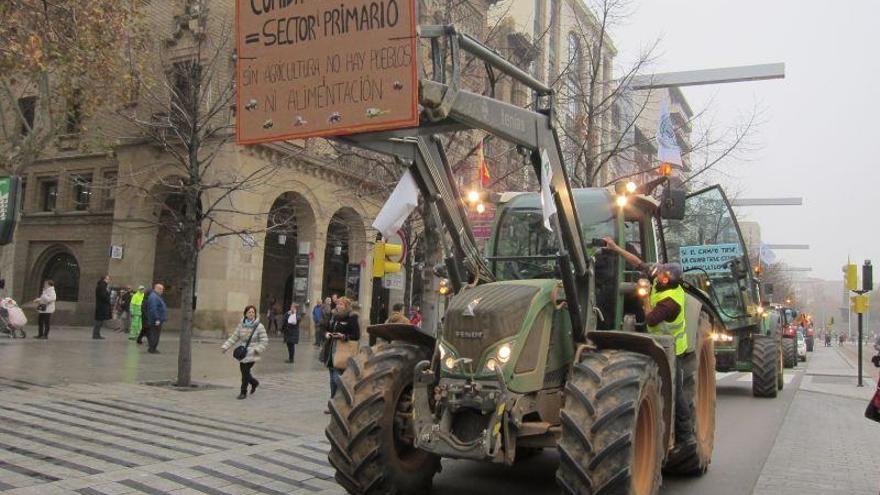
(63, 269)
(110, 183)
(73, 120)
(185, 79)
(28, 107)
(82, 192)
(573, 75)
(553, 47)
(48, 194)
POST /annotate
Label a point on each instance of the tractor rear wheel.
(780, 376)
(692, 452)
(371, 432)
(612, 426)
(765, 366)
(789, 353)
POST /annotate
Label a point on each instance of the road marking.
(721, 375)
(786, 378)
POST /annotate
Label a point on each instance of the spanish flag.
(485, 179)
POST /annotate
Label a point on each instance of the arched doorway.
(168, 262)
(290, 233)
(344, 254)
(63, 269)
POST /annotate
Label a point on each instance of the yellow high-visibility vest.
(676, 328)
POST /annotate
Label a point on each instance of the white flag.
(767, 254)
(667, 146)
(548, 206)
(400, 204)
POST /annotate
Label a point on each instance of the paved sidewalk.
(68, 428)
(826, 446)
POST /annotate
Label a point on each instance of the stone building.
(96, 204)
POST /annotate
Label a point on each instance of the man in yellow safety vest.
(664, 314)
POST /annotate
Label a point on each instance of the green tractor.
(543, 344)
(710, 246)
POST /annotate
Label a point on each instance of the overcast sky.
(819, 135)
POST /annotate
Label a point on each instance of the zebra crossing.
(743, 377)
(61, 440)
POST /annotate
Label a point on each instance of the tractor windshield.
(525, 249)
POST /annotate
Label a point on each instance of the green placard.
(10, 199)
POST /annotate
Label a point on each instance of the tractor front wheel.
(612, 426)
(371, 433)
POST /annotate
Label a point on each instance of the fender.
(653, 347)
(403, 332)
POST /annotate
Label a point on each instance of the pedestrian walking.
(317, 314)
(290, 329)
(135, 309)
(103, 309)
(342, 342)
(252, 342)
(272, 310)
(157, 315)
(45, 308)
(145, 322)
(416, 318)
(397, 316)
(326, 316)
(123, 302)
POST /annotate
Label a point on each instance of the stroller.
(12, 319)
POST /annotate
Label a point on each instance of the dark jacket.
(102, 302)
(347, 326)
(156, 309)
(291, 332)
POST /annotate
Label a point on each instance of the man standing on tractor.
(664, 314)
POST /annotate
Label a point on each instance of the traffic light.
(867, 276)
(852, 276)
(381, 264)
(859, 304)
(444, 287)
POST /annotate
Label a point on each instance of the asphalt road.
(745, 431)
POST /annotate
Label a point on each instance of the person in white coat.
(251, 335)
(45, 308)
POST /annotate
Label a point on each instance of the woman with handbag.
(342, 341)
(252, 342)
(45, 308)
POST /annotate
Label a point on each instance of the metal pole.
(860, 350)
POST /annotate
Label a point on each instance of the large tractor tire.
(612, 426)
(692, 452)
(780, 376)
(370, 432)
(766, 368)
(789, 353)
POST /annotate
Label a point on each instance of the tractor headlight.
(721, 337)
(504, 353)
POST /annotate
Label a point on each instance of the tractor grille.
(498, 313)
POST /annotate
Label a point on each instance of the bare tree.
(188, 111)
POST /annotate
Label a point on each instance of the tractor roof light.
(665, 169)
(481, 208)
(631, 187)
(473, 196)
(621, 201)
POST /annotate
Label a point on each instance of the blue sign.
(712, 258)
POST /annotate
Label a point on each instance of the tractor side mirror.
(672, 203)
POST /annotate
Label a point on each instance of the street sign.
(393, 281)
(312, 68)
(712, 258)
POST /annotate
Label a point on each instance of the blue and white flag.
(667, 145)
